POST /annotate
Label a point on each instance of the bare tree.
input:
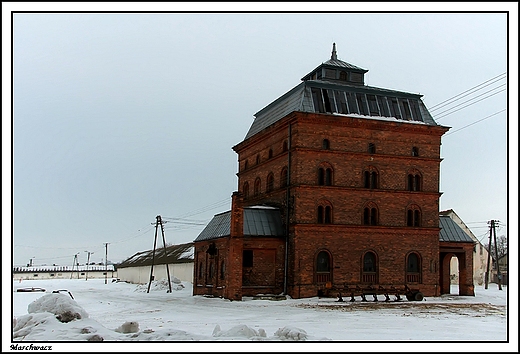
(501, 247)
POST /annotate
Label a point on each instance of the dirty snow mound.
(240, 331)
(161, 285)
(61, 305)
(291, 333)
(128, 327)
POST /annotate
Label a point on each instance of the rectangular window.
(317, 100)
(405, 109)
(52, 274)
(383, 106)
(35, 275)
(361, 101)
(329, 73)
(247, 260)
(394, 108)
(341, 102)
(372, 105)
(356, 77)
(352, 104)
(328, 99)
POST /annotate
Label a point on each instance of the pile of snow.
(240, 331)
(161, 285)
(63, 306)
(291, 333)
(128, 327)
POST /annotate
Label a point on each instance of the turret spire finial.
(334, 54)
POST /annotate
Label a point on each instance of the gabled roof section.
(258, 221)
(182, 253)
(337, 88)
(451, 232)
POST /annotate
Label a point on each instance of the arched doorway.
(464, 271)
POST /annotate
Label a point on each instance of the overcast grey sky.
(122, 117)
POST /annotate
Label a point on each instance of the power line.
(480, 120)
(465, 93)
(471, 99)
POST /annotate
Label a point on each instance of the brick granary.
(338, 186)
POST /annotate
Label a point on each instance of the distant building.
(480, 253)
(64, 272)
(178, 259)
(338, 184)
(502, 264)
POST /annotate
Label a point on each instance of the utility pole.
(75, 263)
(106, 261)
(158, 221)
(88, 260)
(499, 275)
(488, 258)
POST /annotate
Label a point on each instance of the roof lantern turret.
(337, 70)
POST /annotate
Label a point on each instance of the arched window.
(370, 215)
(414, 181)
(284, 146)
(245, 189)
(371, 148)
(371, 178)
(211, 271)
(258, 184)
(325, 144)
(413, 216)
(257, 159)
(369, 274)
(325, 175)
(413, 268)
(283, 178)
(222, 270)
(270, 153)
(200, 272)
(323, 267)
(415, 151)
(270, 182)
(324, 214)
(246, 165)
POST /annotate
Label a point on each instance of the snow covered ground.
(124, 315)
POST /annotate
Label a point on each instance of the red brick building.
(338, 184)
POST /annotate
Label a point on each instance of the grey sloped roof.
(182, 253)
(451, 232)
(299, 99)
(343, 64)
(219, 226)
(258, 221)
(262, 222)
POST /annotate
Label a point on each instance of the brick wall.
(346, 239)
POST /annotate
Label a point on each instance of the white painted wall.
(63, 275)
(141, 275)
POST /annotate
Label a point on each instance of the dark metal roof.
(332, 94)
(300, 99)
(451, 232)
(258, 221)
(219, 226)
(343, 64)
(262, 222)
(182, 253)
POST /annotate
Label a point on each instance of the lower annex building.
(338, 184)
